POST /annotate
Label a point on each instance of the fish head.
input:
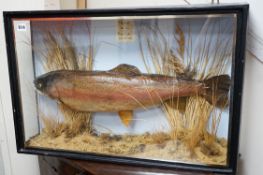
(47, 84)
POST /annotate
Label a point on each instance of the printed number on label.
(21, 27)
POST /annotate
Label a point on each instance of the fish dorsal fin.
(126, 117)
(125, 68)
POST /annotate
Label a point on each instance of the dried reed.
(61, 54)
(191, 125)
(53, 128)
(76, 122)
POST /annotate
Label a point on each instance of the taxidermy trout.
(124, 89)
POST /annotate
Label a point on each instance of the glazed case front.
(151, 87)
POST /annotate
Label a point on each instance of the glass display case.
(152, 87)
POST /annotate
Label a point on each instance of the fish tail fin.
(216, 90)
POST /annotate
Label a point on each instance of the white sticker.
(21, 27)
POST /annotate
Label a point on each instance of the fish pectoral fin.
(126, 117)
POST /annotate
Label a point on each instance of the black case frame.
(241, 11)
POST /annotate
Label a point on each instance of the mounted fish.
(124, 89)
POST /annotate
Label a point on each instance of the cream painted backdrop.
(251, 143)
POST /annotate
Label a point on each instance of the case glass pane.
(151, 87)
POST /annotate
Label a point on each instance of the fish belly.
(110, 98)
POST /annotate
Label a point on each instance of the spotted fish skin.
(123, 88)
